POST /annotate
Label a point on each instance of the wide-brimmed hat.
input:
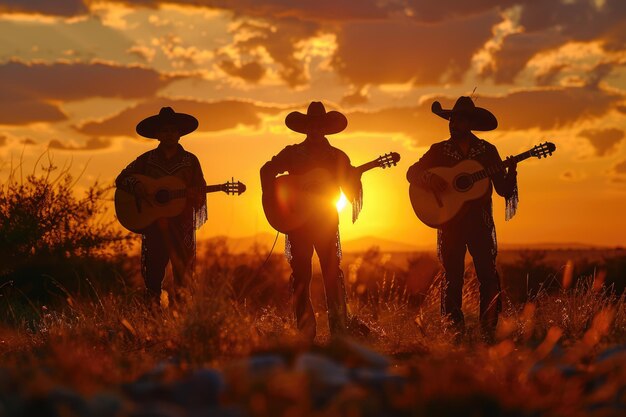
(480, 119)
(150, 126)
(317, 118)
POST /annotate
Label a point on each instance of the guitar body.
(294, 199)
(136, 218)
(436, 209)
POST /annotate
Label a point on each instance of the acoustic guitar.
(166, 197)
(294, 199)
(468, 180)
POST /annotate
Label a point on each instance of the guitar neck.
(213, 188)
(207, 189)
(367, 166)
(499, 167)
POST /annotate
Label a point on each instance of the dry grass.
(544, 363)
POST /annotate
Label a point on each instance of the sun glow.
(341, 202)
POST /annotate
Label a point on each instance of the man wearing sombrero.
(473, 228)
(320, 232)
(168, 239)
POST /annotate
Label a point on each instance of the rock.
(326, 377)
(200, 389)
(65, 397)
(104, 405)
(358, 355)
(265, 363)
(377, 378)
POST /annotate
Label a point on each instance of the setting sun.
(341, 202)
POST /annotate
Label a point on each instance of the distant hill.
(550, 246)
(364, 243)
(265, 241)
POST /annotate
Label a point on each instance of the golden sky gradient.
(77, 75)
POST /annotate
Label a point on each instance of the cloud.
(549, 24)
(355, 98)
(251, 72)
(401, 51)
(212, 116)
(417, 123)
(320, 10)
(91, 144)
(517, 49)
(65, 8)
(550, 108)
(3, 140)
(620, 168)
(280, 39)
(604, 141)
(31, 92)
(543, 109)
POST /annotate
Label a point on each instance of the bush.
(50, 238)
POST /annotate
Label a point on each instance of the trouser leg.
(180, 251)
(453, 261)
(154, 261)
(326, 246)
(483, 252)
(301, 253)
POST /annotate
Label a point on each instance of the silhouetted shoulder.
(191, 157)
(340, 155)
(488, 147)
(147, 155)
(438, 146)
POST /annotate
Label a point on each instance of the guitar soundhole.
(162, 196)
(463, 182)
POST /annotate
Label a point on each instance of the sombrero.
(150, 126)
(316, 118)
(480, 119)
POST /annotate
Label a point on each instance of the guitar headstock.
(543, 150)
(387, 160)
(232, 187)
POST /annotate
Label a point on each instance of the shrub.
(51, 239)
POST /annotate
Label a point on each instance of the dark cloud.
(48, 7)
(3, 140)
(354, 99)
(62, 81)
(31, 92)
(417, 123)
(213, 116)
(517, 50)
(403, 51)
(251, 72)
(91, 144)
(319, 10)
(604, 141)
(549, 24)
(550, 108)
(280, 39)
(16, 110)
(532, 109)
(436, 11)
(620, 168)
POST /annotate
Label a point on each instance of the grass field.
(228, 346)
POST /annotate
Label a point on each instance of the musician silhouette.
(473, 228)
(320, 230)
(167, 239)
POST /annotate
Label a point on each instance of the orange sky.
(77, 75)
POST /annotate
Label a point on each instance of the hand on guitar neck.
(439, 193)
